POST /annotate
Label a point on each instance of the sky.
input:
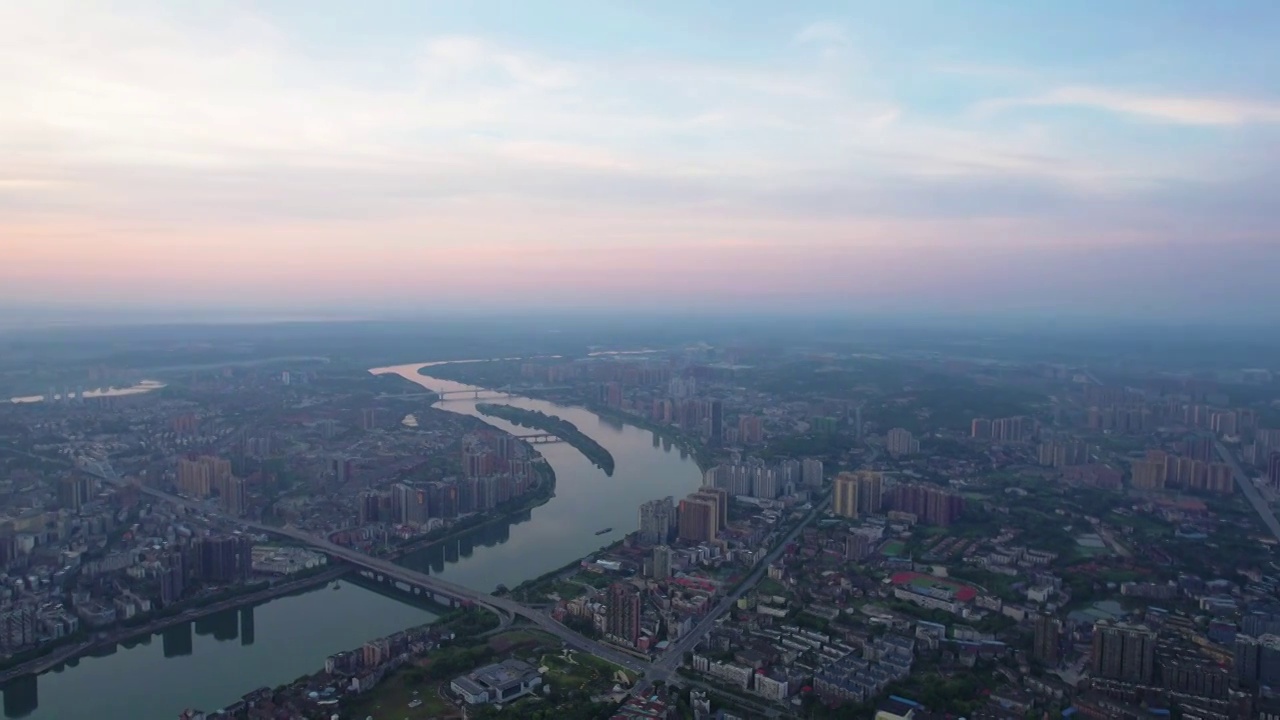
(1088, 158)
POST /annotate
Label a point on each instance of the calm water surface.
(211, 663)
(586, 499)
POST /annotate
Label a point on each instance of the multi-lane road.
(1250, 492)
(506, 609)
(664, 666)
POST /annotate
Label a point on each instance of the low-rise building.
(500, 682)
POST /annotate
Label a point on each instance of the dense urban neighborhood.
(891, 535)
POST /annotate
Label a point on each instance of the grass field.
(769, 586)
(894, 548)
(581, 672)
(392, 697)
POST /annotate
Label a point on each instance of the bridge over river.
(387, 571)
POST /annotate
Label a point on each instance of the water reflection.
(21, 697)
(433, 559)
(211, 661)
(586, 498)
(246, 626)
(178, 641)
(223, 626)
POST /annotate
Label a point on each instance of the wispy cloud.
(230, 133)
(1173, 109)
(823, 34)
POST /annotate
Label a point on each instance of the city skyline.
(905, 158)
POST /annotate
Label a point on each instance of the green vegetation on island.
(554, 425)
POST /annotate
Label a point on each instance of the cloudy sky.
(1088, 157)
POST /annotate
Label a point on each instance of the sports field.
(963, 593)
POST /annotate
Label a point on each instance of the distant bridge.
(539, 438)
(473, 394)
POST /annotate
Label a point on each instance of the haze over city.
(330, 158)
(639, 360)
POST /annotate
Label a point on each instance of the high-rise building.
(1048, 632)
(370, 503)
(622, 613)
(341, 467)
(870, 491)
(1012, 429)
(715, 414)
(764, 484)
(720, 497)
(857, 546)
(401, 493)
(477, 460)
(811, 472)
(750, 429)
(74, 491)
(657, 519)
(1123, 652)
(699, 521)
(1198, 447)
(199, 477)
(790, 472)
(1273, 469)
(661, 562)
(223, 558)
(1257, 660)
(929, 503)
(1062, 454)
(173, 579)
(233, 496)
(899, 442)
(1185, 670)
(844, 500)
(980, 428)
(1221, 479)
(1149, 473)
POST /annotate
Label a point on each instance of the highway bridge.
(539, 438)
(386, 570)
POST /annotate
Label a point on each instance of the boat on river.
(604, 531)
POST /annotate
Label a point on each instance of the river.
(212, 662)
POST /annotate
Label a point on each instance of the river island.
(555, 425)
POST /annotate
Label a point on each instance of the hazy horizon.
(398, 159)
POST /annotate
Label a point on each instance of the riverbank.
(66, 653)
(555, 425)
(700, 453)
(541, 494)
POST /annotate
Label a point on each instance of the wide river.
(211, 662)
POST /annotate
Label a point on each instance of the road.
(505, 608)
(1250, 492)
(666, 665)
